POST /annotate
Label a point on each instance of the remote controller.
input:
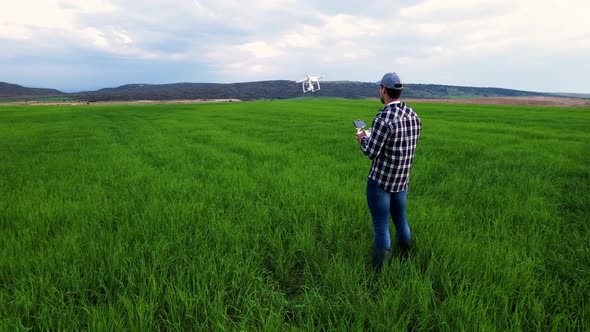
(360, 127)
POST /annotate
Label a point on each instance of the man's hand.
(360, 135)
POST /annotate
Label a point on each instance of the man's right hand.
(360, 135)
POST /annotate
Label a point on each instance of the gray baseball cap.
(391, 81)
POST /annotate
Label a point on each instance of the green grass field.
(252, 216)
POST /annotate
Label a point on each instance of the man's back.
(395, 133)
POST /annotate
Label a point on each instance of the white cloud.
(429, 41)
(260, 49)
(123, 37)
(203, 11)
(478, 28)
(303, 36)
(332, 43)
(350, 26)
(451, 10)
(88, 6)
(22, 19)
(96, 37)
(19, 19)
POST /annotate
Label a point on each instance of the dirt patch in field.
(134, 102)
(531, 101)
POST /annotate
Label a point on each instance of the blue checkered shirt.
(394, 134)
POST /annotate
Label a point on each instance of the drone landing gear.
(310, 87)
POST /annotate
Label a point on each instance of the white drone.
(310, 83)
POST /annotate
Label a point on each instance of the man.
(390, 145)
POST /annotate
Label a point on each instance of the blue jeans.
(382, 204)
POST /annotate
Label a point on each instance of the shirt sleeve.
(373, 144)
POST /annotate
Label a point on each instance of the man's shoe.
(380, 256)
(404, 249)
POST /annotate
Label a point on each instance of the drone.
(310, 83)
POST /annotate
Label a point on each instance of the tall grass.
(252, 216)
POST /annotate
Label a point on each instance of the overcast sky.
(73, 45)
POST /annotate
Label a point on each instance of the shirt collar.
(394, 102)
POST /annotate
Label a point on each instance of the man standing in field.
(390, 145)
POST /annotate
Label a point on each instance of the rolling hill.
(15, 91)
(279, 89)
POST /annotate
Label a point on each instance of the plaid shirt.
(394, 134)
